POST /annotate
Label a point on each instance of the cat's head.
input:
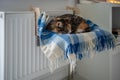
(59, 25)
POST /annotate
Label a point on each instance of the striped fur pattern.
(68, 23)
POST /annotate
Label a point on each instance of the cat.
(68, 23)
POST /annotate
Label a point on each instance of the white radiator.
(21, 59)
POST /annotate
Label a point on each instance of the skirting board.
(59, 74)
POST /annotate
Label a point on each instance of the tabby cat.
(68, 23)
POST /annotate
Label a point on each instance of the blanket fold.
(67, 48)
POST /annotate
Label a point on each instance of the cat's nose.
(58, 24)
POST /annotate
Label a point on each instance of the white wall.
(25, 4)
(2, 46)
(115, 64)
(103, 66)
(96, 68)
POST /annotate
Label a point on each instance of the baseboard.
(76, 76)
(59, 74)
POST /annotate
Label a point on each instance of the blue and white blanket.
(63, 48)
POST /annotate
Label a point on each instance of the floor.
(75, 77)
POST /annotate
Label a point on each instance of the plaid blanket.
(67, 48)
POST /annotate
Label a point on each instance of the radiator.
(23, 60)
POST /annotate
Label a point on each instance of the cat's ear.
(67, 20)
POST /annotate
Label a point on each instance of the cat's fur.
(68, 23)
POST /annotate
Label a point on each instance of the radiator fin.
(23, 58)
